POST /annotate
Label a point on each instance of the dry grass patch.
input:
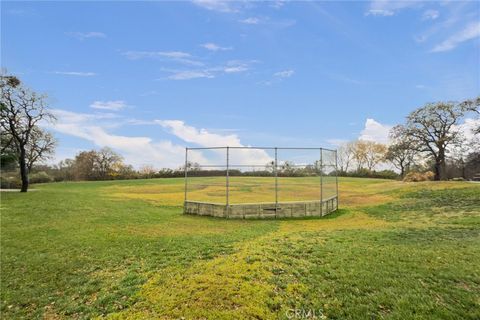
(348, 221)
(227, 287)
(185, 226)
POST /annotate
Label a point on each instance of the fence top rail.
(233, 166)
(261, 148)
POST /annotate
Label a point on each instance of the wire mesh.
(238, 175)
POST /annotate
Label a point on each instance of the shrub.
(414, 176)
(385, 174)
(365, 173)
(40, 177)
(10, 182)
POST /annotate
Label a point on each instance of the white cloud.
(372, 131)
(278, 77)
(471, 31)
(284, 73)
(163, 153)
(199, 136)
(277, 4)
(176, 56)
(76, 73)
(135, 55)
(93, 128)
(388, 8)
(375, 131)
(234, 66)
(215, 47)
(109, 105)
(430, 14)
(190, 74)
(235, 69)
(230, 67)
(86, 35)
(250, 20)
(379, 12)
(455, 15)
(204, 138)
(420, 86)
(218, 5)
(467, 128)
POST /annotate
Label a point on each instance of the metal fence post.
(276, 181)
(336, 175)
(321, 182)
(228, 177)
(186, 174)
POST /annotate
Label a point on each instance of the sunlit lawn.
(123, 249)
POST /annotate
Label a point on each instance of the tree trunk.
(437, 171)
(23, 170)
(440, 165)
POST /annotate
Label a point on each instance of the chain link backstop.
(260, 182)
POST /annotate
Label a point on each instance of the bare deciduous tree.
(359, 153)
(21, 112)
(474, 106)
(97, 165)
(433, 127)
(107, 161)
(368, 154)
(402, 151)
(147, 170)
(345, 156)
(41, 146)
(374, 154)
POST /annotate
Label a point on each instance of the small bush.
(40, 177)
(10, 182)
(365, 173)
(414, 176)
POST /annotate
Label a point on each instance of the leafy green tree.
(84, 165)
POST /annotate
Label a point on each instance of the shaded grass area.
(123, 250)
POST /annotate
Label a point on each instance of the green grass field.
(123, 250)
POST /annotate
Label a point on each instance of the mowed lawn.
(123, 250)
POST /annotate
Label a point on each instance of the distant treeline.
(105, 164)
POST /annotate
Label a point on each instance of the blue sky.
(149, 78)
